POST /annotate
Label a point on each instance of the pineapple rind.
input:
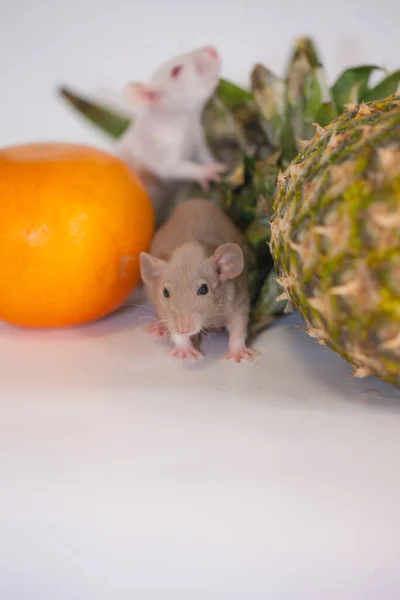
(335, 237)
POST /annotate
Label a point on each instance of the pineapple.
(335, 237)
(256, 133)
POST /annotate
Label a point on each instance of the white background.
(124, 475)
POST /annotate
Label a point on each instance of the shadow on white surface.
(116, 354)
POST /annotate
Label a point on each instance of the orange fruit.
(73, 220)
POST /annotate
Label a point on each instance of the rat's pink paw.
(211, 173)
(157, 329)
(239, 354)
(182, 353)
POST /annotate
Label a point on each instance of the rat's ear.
(150, 267)
(141, 93)
(228, 260)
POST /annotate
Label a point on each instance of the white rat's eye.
(176, 71)
(166, 293)
(203, 290)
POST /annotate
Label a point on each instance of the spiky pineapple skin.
(335, 237)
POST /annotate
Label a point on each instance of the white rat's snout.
(187, 324)
(208, 61)
(211, 51)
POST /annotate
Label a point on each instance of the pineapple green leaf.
(313, 97)
(249, 125)
(299, 72)
(234, 132)
(106, 120)
(265, 177)
(257, 235)
(266, 308)
(231, 94)
(351, 86)
(249, 163)
(388, 86)
(326, 113)
(269, 95)
(304, 47)
(222, 134)
(306, 91)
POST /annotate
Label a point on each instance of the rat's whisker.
(164, 335)
(146, 306)
(165, 322)
(146, 318)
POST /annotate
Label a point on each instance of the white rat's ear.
(141, 93)
(228, 260)
(150, 267)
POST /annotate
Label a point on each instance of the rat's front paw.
(239, 354)
(157, 329)
(211, 173)
(182, 353)
(184, 348)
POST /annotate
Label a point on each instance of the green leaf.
(313, 96)
(266, 307)
(306, 92)
(241, 205)
(224, 138)
(249, 124)
(388, 86)
(249, 163)
(258, 234)
(298, 73)
(304, 47)
(269, 95)
(288, 144)
(109, 122)
(351, 86)
(231, 94)
(233, 123)
(326, 113)
(265, 178)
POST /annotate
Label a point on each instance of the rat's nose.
(184, 324)
(212, 51)
(208, 60)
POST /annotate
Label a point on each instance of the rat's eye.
(175, 71)
(203, 290)
(166, 293)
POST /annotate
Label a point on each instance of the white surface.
(124, 475)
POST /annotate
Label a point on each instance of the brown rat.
(196, 277)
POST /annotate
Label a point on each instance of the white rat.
(166, 140)
(196, 277)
